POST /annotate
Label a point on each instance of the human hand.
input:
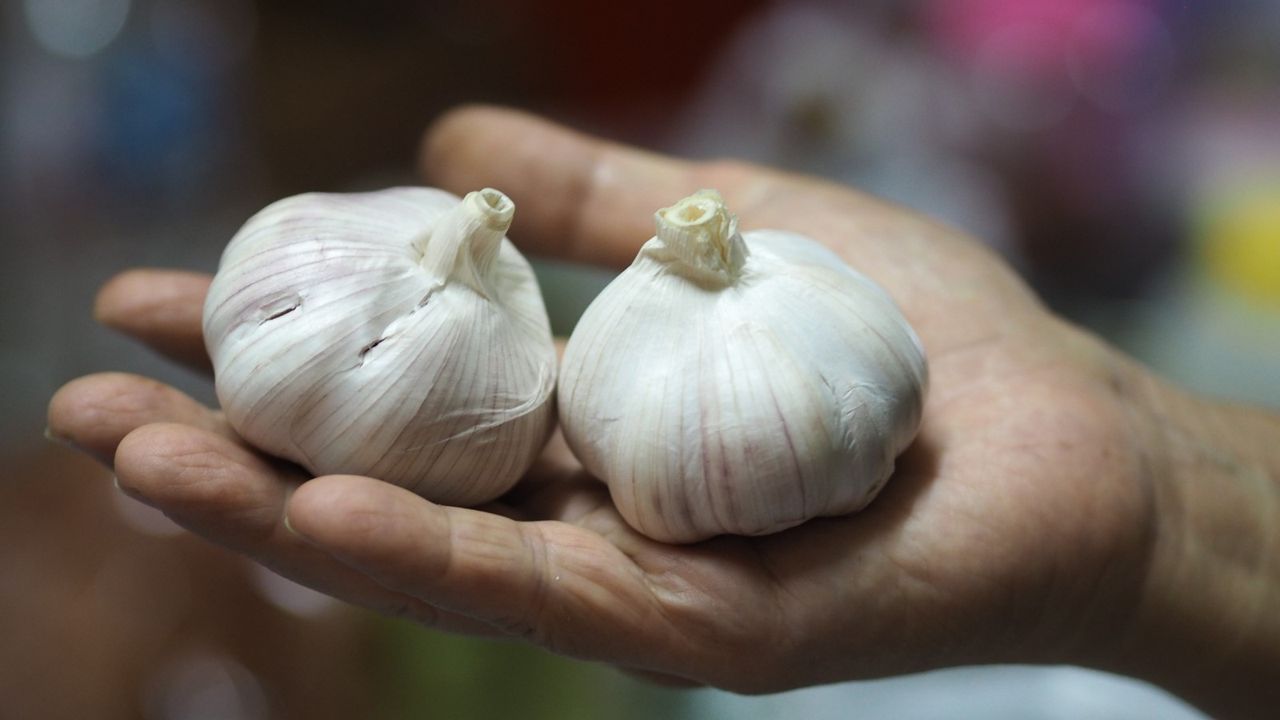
(1018, 527)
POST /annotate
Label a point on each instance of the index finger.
(577, 197)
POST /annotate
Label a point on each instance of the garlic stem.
(701, 235)
(464, 243)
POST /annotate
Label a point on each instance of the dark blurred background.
(1123, 154)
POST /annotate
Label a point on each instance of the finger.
(162, 308)
(587, 200)
(231, 496)
(552, 583)
(577, 197)
(662, 679)
(94, 413)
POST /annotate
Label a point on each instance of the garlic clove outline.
(396, 334)
(739, 384)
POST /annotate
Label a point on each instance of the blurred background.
(1123, 154)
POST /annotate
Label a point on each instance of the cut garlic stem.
(465, 242)
(700, 233)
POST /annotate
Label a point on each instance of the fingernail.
(51, 436)
(289, 526)
(128, 492)
(68, 442)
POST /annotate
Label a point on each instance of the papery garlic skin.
(739, 384)
(396, 334)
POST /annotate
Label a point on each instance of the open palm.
(1014, 529)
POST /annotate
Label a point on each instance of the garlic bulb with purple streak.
(739, 384)
(396, 334)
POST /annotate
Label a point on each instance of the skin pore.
(1061, 504)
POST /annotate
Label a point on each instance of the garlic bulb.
(738, 384)
(396, 334)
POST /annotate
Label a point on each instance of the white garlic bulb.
(396, 334)
(730, 384)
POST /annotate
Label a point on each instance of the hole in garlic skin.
(365, 350)
(276, 307)
(281, 313)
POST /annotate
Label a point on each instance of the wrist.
(1203, 623)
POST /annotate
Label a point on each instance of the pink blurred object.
(1039, 35)
(1035, 57)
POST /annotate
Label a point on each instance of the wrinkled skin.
(1018, 527)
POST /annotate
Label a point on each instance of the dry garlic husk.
(396, 334)
(738, 384)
